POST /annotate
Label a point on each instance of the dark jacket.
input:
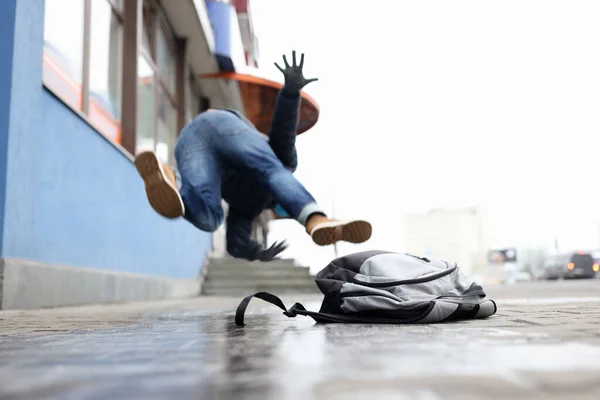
(246, 196)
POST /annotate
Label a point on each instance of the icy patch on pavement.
(497, 332)
(549, 300)
(500, 360)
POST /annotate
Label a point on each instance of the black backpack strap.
(319, 317)
(269, 298)
(296, 309)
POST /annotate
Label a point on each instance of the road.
(544, 342)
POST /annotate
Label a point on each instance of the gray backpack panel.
(386, 287)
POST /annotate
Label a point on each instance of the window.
(106, 61)
(63, 49)
(166, 128)
(192, 100)
(157, 105)
(166, 61)
(88, 43)
(91, 86)
(146, 114)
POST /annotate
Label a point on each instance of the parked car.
(596, 266)
(571, 265)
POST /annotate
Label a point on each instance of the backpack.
(389, 288)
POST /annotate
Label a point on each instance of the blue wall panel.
(7, 33)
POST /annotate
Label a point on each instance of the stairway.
(233, 277)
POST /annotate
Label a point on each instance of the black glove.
(271, 253)
(294, 79)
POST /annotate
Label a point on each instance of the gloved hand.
(271, 253)
(294, 79)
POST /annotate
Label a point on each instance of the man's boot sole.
(162, 195)
(353, 232)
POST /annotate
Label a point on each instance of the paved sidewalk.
(544, 342)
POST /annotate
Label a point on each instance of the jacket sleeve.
(239, 237)
(284, 127)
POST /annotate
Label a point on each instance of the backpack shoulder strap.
(269, 298)
(319, 317)
(296, 309)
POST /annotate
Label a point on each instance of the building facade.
(456, 234)
(84, 86)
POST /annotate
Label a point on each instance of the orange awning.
(259, 96)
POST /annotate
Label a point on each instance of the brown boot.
(325, 231)
(161, 186)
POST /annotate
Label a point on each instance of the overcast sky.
(442, 104)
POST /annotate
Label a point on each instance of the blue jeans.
(217, 140)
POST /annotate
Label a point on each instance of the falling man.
(221, 155)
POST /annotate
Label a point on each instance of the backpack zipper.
(429, 278)
(419, 258)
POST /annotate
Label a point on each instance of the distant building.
(455, 234)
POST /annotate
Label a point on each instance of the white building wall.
(451, 234)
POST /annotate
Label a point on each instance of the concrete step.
(256, 272)
(250, 283)
(232, 277)
(277, 290)
(232, 262)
